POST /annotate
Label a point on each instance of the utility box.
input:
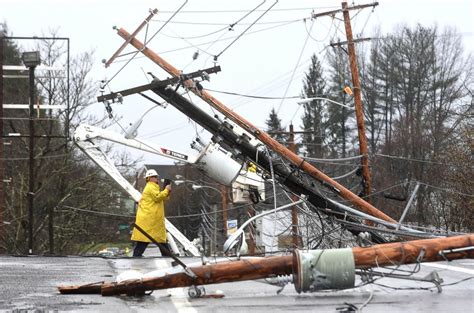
(248, 187)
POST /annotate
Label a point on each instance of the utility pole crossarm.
(340, 43)
(158, 83)
(116, 54)
(355, 7)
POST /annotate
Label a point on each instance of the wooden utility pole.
(224, 208)
(426, 250)
(294, 210)
(334, 186)
(251, 243)
(143, 24)
(359, 111)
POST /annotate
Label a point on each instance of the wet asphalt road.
(30, 284)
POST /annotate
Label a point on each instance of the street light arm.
(195, 187)
(306, 100)
(234, 238)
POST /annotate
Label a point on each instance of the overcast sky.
(269, 60)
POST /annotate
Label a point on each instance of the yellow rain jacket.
(151, 214)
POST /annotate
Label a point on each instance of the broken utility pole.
(343, 262)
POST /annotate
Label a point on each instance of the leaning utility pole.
(358, 104)
(357, 91)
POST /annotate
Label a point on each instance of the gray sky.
(262, 62)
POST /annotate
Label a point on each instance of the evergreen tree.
(275, 129)
(340, 126)
(370, 87)
(314, 116)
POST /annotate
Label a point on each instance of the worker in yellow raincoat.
(151, 216)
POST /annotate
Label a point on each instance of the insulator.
(280, 280)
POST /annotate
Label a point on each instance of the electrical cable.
(419, 160)
(240, 11)
(251, 96)
(294, 70)
(241, 34)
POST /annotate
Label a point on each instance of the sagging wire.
(230, 27)
(199, 36)
(357, 157)
(321, 222)
(346, 174)
(294, 70)
(241, 34)
(366, 21)
(251, 96)
(314, 39)
(205, 43)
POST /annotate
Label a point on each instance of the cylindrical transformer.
(315, 270)
(218, 165)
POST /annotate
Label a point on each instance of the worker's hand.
(168, 187)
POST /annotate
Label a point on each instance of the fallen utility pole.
(241, 147)
(427, 250)
(297, 161)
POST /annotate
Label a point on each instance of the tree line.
(417, 90)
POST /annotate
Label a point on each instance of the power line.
(227, 24)
(422, 161)
(334, 160)
(241, 34)
(210, 42)
(447, 190)
(252, 96)
(240, 11)
(296, 67)
(36, 158)
(97, 212)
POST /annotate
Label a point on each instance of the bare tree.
(65, 180)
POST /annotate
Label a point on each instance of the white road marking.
(179, 296)
(450, 267)
(467, 264)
